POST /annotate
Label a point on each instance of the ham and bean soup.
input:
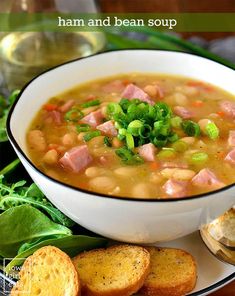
(138, 135)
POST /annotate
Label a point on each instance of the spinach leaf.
(17, 194)
(24, 223)
(72, 245)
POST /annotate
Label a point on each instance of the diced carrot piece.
(126, 82)
(153, 165)
(194, 83)
(197, 103)
(50, 107)
(220, 113)
(200, 84)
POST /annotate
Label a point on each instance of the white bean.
(187, 90)
(188, 140)
(180, 99)
(156, 178)
(126, 171)
(142, 190)
(103, 184)
(203, 123)
(92, 172)
(69, 139)
(51, 157)
(178, 174)
(88, 110)
(151, 90)
(37, 140)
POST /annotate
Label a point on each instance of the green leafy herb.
(212, 130)
(90, 135)
(21, 224)
(128, 157)
(17, 194)
(9, 168)
(91, 103)
(191, 128)
(73, 115)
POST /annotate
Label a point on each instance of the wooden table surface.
(228, 290)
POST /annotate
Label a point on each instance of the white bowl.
(129, 220)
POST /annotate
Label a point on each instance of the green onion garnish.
(128, 157)
(180, 146)
(107, 141)
(212, 130)
(176, 121)
(134, 127)
(191, 128)
(73, 115)
(91, 103)
(90, 135)
(113, 108)
(83, 127)
(166, 154)
(199, 157)
(130, 141)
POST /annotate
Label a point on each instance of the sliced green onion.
(107, 141)
(113, 108)
(191, 128)
(90, 135)
(176, 122)
(83, 127)
(130, 141)
(180, 146)
(173, 137)
(212, 130)
(128, 157)
(145, 131)
(124, 103)
(199, 157)
(91, 103)
(73, 115)
(134, 127)
(166, 154)
(163, 110)
(159, 142)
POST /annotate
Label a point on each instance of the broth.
(176, 140)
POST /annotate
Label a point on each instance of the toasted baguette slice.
(116, 271)
(48, 272)
(172, 273)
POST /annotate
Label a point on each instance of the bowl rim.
(115, 197)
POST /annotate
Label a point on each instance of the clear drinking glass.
(23, 55)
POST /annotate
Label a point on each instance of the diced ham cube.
(183, 112)
(66, 106)
(228, 108)
(134, 92)
(230, 157)
(108, 128)
(231, 138)
(206, 178)
(175, 188)
(147, 152)
(76, 158)
(56, 117)
(94, 118)
(114, 86)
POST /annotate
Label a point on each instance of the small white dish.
(129, 220)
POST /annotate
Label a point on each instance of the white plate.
(212, 273)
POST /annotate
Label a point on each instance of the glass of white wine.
(24, 55)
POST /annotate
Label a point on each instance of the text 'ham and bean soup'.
(138, 135)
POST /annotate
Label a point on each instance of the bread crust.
(36, 269)
(172, 288)
(130, 289)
